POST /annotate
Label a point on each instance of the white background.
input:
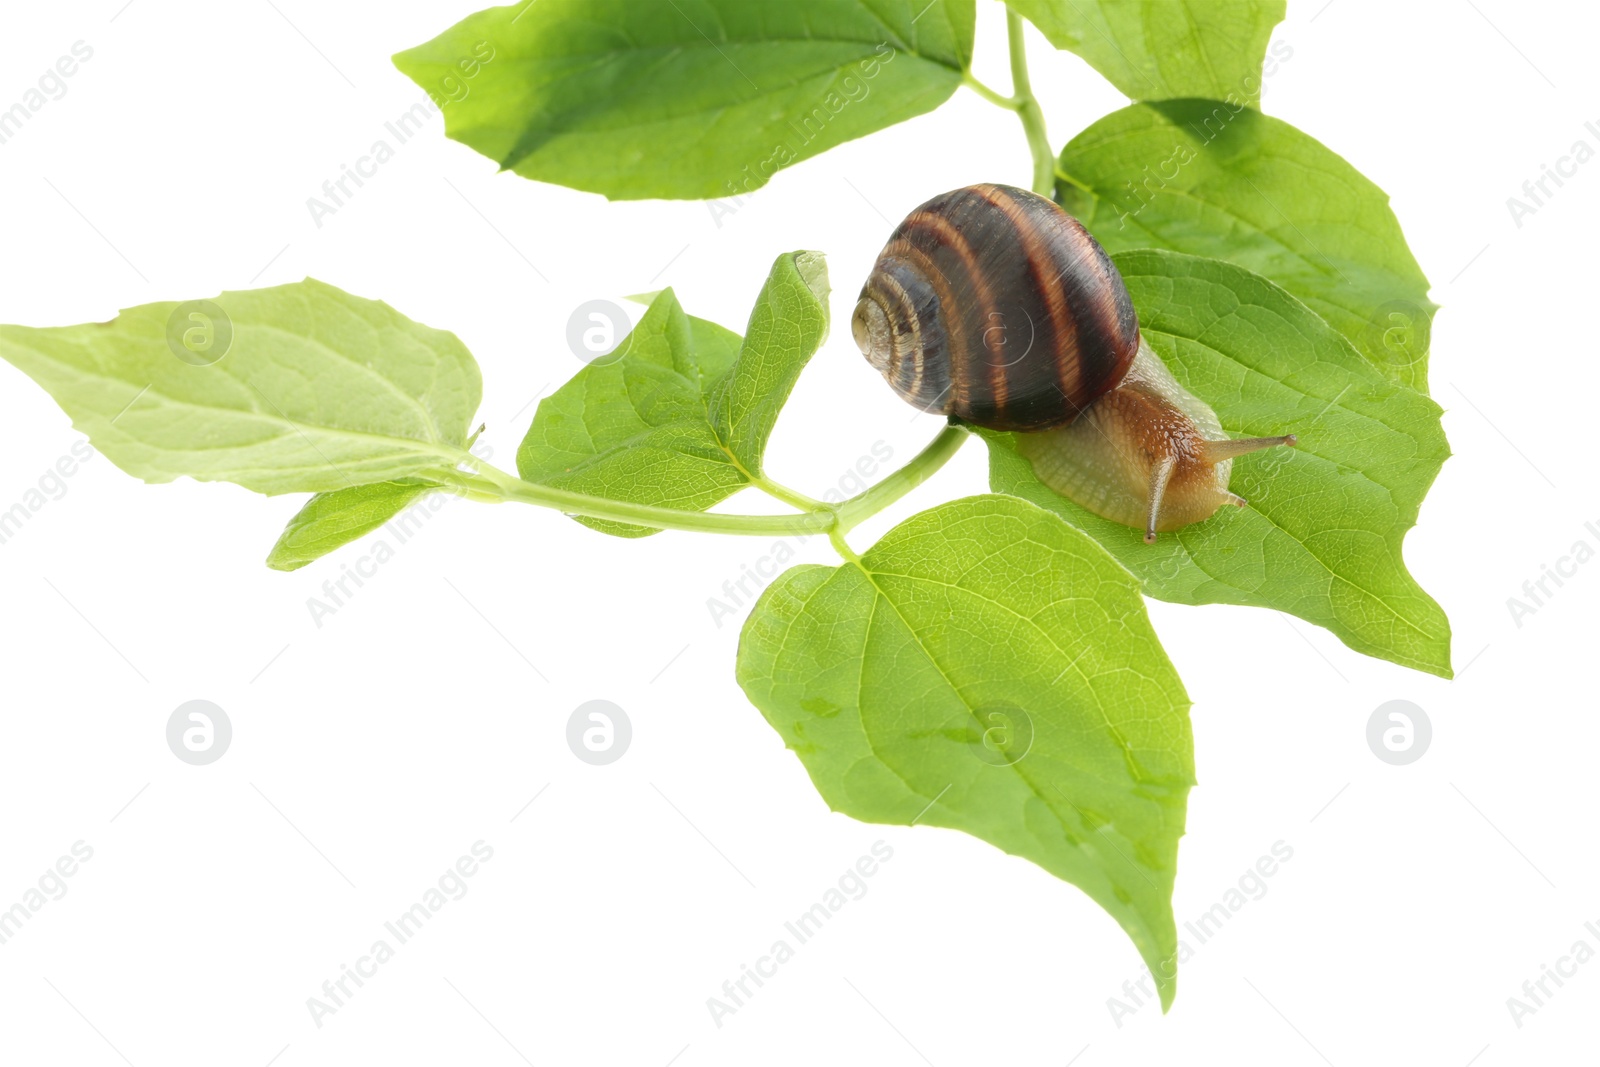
(370, 753)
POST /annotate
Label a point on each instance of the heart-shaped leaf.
(1158, 50)
(1209, 179)
(987, 667)
(686, 99)
(1321, 536)
(679, 414)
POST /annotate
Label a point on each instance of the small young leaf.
(690, 99)
(679, 415)
(1201, 177)
(786, 328)
(314, 389)
(633, 425)
(332, 520)
(1159, 49)
(988, 668)
(1321, 536)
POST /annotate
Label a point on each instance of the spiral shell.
(992, 304)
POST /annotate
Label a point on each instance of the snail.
(994, 306)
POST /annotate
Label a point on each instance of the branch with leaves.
(987, 665)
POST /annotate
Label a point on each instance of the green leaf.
(679, 415)
(1321, 537)
(1200, 177)
(1159, 49)
(317, 390)
(332, 520)
(689, 99)
(786, 328)
(633, 426)
(988, 668)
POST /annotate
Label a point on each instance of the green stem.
(922, 467)
(492, 484)
(789, 496)
(841, 546)
(1027, 109)
(502, 486)
(1009, 103)
(1063, 176)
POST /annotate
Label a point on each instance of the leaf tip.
(279, 562)
(813, 269)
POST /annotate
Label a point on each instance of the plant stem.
(922, 467)
(789, 496)
(503, 486)
(492, 484)
(1009, 103)
(1063, 176)
(1027, 109)
(841, 546)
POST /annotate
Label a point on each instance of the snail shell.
(992, 305)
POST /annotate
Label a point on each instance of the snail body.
(992, 305)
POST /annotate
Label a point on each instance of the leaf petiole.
(923, 466)
(1024, 104)
(488, 483)
(1044, 158)
(496, 484)
(789, 496)
(995, 98)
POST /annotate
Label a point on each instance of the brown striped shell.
(992, 304)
